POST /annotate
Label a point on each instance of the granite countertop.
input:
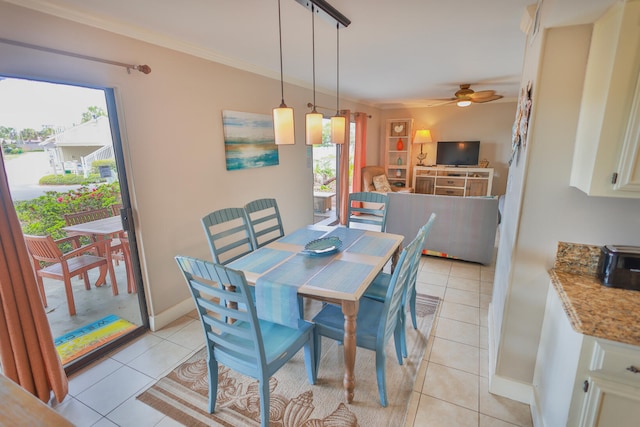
(594, 309)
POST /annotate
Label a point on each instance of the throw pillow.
(381, 183)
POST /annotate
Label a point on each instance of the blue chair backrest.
(422, 238)
(264, 219)
(232, 333)
(395, 292)
(368, 215)
(228, 234)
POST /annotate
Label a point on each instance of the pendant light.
(313, 120)
(283, 128)
(338, 122)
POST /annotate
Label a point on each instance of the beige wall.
(171, 125)
(489, 123)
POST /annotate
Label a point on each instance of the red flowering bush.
(45, 214)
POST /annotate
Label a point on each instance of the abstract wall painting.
(248, 140)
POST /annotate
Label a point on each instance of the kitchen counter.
(594, 309)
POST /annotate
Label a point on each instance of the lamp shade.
(283, 128)
(423, 136)
(338, 126)
(313, 128)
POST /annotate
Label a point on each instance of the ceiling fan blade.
(439, 102)
(481, 100)
(483, 94)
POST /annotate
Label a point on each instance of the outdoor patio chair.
(378, 288)
(376, 320)
(64, 266)
(265, 221)
(368, 208)
(236, 337)
(228, 233)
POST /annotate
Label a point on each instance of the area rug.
(183, 393)
(81, 341)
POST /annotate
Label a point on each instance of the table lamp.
(423, 136)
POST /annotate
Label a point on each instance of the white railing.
(103, 153)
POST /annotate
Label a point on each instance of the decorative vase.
(399, 161)
(398, 173)
(400, 145)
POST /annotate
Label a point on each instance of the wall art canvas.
(248, 140)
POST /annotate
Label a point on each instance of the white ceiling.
(394, 53)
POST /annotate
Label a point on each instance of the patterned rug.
(182, 394)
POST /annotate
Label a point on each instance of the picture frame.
(399, 128)
(249, 140)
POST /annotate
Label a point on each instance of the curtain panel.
(27, 352)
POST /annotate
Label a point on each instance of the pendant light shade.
(338, 129)
(313, 120)
(338, 122)
(313, 128)
(283, 129)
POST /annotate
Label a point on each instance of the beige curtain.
(343, 191)
(27, 353)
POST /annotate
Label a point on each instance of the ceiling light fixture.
(464, 103)
(313, 119)
(283, 127)
(338, 122)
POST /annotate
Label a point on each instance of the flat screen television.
(457, 153)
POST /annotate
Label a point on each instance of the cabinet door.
(629, 165)
(424, 185)
(609, 403)
(477, 187)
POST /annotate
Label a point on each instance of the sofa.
(465, 227)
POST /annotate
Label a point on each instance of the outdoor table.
(104, 228)
(341, 277)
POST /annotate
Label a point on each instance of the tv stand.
(453, 181)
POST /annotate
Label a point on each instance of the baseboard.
(505, 387)
(166, 317)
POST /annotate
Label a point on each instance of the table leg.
(350, 311)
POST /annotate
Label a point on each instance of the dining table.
(289, 268)
(105, 228)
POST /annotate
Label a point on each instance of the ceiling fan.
(465, 96)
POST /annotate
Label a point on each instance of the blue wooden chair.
(265, 221)
(236, 337)
(376, 320)
(228, 233)
(378, 288)
(358, 213)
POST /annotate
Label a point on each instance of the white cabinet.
(444, 181)
(606, 159)
(580, 380)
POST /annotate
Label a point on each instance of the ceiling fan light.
(464, 103)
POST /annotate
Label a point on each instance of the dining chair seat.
(234, 334)
(376, 321)
(378, 288)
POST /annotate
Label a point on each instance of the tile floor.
(451, 388)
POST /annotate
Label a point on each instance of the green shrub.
(70, 179)
(45, 214)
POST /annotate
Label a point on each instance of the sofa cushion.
(381, 183)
